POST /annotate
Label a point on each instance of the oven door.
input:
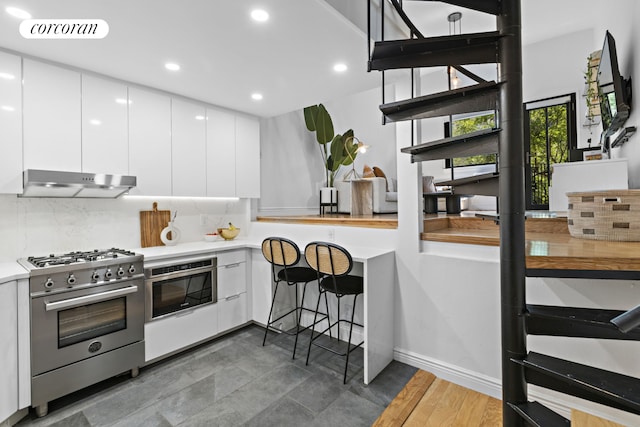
(183, 290)
(72, 326)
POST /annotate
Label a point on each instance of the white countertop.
(191, 248)
(10, 271)
(359, 253)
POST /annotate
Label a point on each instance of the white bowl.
(211, 237)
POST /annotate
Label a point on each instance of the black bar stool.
(283, 255)
(333, 264)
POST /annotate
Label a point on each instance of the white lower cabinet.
(232, 312)
(8, 349)
(173, 333)
(232, 289)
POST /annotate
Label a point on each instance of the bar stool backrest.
(328, 258)
(280, 252)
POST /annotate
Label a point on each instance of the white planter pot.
(328, 196)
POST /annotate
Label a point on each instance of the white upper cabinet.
(221, 154)
(150, 142)
(247, 157)
(104, 126)
(188, 149)
(10, 123)
(51, 117)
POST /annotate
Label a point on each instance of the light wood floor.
(428, 401)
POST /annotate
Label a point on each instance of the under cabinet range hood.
(45, 183)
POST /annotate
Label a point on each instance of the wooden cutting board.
(151, 225)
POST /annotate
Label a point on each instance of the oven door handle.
(88, 299)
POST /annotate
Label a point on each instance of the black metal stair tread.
(459, 49)
(468, 99)
(471, 144)
(575, 322)
(598, 385)
(471, 179)
(487, 6)
(536, 414)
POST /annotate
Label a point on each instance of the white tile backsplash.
(39, 226)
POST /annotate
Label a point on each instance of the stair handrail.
(399, 9)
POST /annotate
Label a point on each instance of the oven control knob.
(120, 272)
(71, 279)
(95, 276)
(108, 274)
(49, 283)
(132, 269)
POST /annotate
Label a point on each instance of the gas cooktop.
(79, 257)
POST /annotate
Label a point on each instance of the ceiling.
(225, 56)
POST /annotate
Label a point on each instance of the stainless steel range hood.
(45, 183)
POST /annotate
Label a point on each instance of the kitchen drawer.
(231, 257)
(232, 311)
(232, 279)
(169, 334)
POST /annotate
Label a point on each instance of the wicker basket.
(605, 215)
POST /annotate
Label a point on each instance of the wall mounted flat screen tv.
(614, 91)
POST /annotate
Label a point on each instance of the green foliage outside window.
(548, 139)
(469, 125)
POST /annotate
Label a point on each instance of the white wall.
(629, 57)
(38, 227)
(293, 170)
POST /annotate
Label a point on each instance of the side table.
(361, 197)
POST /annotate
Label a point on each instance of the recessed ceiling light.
(95, 122)
(7, 76)
(18, 13)
(340, 67)
(8, 108)
(256, 96)
(199, 117)
(172, 66)
(259, 15)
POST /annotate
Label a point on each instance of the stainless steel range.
(87, 320)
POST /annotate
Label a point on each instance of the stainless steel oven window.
(180, 293)
(91, 321)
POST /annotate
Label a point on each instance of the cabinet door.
(104, 126)
(51, 117)
(8, 349)
(150, 142)
(188, 149)
(232, 279)
(247, 157)
(221, 154)
(169, 334)
(261, 287)
(232, 312)
(10, 124)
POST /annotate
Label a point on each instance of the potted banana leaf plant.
(337, 149)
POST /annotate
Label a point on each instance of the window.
(464, 124)
(549, 137)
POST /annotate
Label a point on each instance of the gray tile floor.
(234, 381)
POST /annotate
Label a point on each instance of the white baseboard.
(455, 374)
(558, 402)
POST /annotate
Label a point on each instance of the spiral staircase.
(504, 48)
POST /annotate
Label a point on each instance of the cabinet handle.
(185, 312)
(236, 296)
(237, 264)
